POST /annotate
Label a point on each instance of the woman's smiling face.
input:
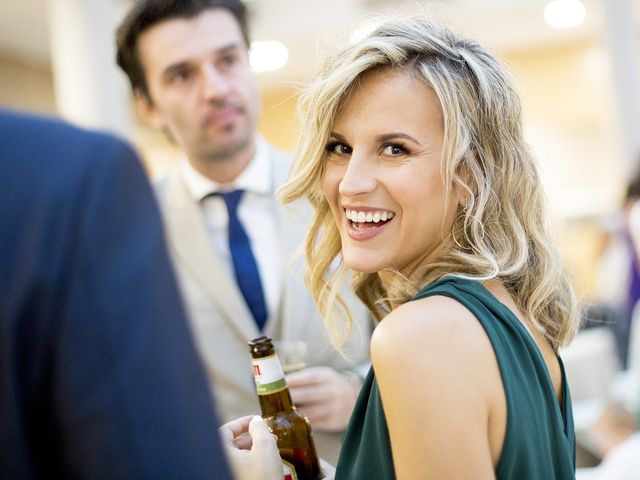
(382, 175)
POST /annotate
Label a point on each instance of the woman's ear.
(462, 185)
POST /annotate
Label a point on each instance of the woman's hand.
(251, 449)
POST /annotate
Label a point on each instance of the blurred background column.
(89, 89)
(623, 48)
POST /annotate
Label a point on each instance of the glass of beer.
(293, 354)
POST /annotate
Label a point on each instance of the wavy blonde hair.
(500, 232)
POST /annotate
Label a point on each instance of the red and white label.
(289, 471)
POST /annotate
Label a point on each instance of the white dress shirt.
(257, 212)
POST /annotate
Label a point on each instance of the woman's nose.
(359, 177)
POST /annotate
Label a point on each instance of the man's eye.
(181, 76)
(228, 60)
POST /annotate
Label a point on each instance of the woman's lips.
(365, 224)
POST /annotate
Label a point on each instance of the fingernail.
(256, 418)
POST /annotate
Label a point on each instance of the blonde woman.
(413, 157)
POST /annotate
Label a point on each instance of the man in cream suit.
(188, 65)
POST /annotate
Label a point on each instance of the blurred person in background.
(616, 439)
(412, 154)
(631, 239)
(618, 287)
(188, 65)
(99, 376)
(614, 436)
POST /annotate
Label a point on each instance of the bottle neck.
(271, 385)
(273, 403)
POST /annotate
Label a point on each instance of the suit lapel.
(189, 240)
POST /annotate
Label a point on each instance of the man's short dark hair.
(147, 13)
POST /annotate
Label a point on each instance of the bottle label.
(268, 375)
(288, 471)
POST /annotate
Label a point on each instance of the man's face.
(202, 90)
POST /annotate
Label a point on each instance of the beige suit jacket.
(221, 321)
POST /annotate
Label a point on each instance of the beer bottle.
(292, 428)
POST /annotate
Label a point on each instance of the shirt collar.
(256, 177)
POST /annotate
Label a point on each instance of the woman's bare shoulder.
(437, 376)
(432, 325)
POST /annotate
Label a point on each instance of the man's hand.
(251, 449)
(324, 395)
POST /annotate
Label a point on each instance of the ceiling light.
(268, 56)
(564, 13)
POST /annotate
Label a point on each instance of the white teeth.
(369, 217)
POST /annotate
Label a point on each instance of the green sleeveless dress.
(539, 440)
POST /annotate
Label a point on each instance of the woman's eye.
(339, 148)
(395, 150)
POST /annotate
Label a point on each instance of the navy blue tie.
(244, 263)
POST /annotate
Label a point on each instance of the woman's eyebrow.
(391, 136)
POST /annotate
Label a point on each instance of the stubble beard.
(215, 153)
